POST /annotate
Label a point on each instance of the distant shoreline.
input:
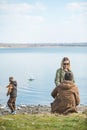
(41, 45)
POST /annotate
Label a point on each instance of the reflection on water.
(35, 68)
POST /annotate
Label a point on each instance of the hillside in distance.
(28, 45)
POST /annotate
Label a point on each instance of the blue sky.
(43, 21)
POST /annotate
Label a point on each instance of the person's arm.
(77, 96)
(54, 92)
(57, 77)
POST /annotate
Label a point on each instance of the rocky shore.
(34, 109)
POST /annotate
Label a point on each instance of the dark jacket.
(13, 93)
(66, 98)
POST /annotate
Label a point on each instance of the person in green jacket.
(60, 73)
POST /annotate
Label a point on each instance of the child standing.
(12, 92)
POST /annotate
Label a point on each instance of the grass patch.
(43, 122)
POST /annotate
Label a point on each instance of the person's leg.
(11, 104)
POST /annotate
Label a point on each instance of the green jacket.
(60, 76)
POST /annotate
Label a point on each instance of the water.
(41, 65)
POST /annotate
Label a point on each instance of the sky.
(43, 21)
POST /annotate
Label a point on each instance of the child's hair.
(68, 76)
(11, 79)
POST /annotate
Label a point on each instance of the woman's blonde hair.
(65, 59)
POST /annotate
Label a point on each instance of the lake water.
(41, 65)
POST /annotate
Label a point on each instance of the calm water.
(41, 65)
